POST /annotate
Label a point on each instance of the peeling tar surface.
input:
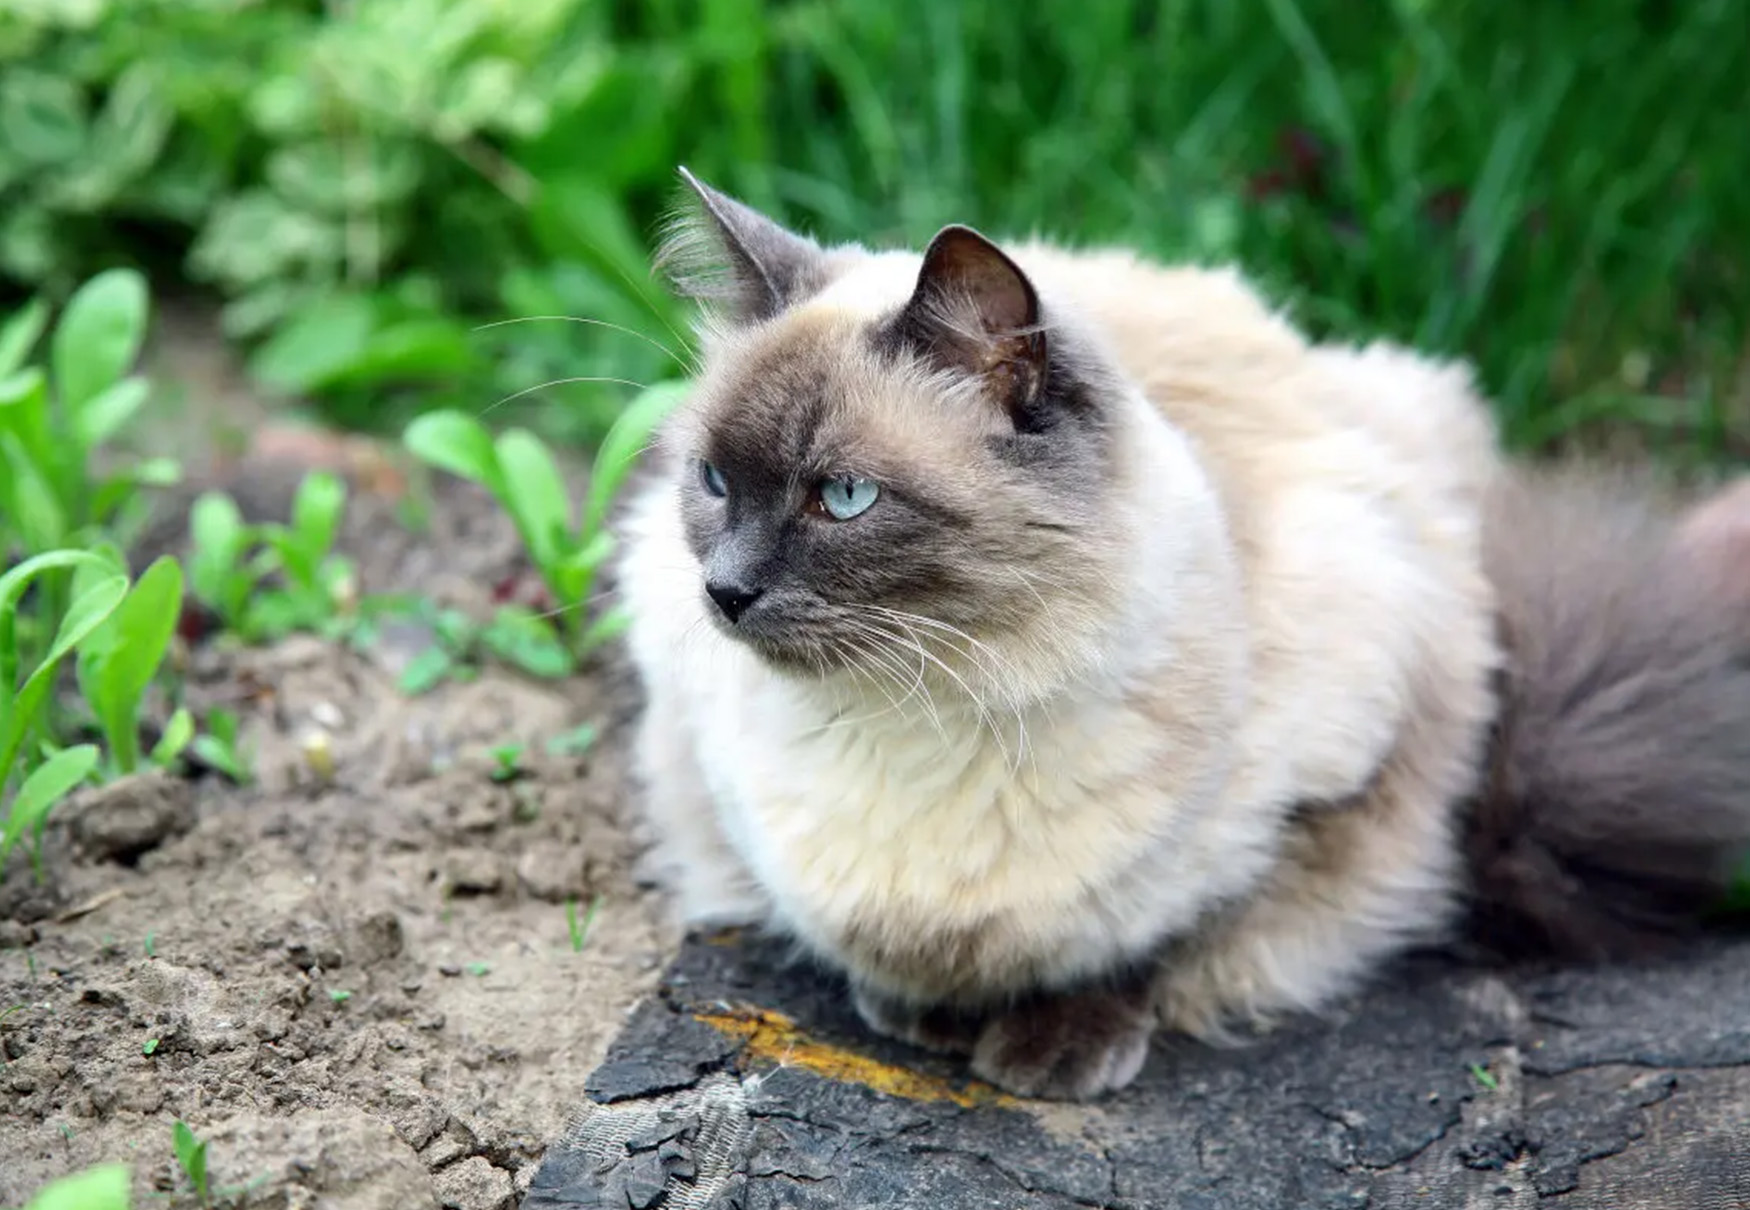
(800, 1107)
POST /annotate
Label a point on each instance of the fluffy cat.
(1064, 647)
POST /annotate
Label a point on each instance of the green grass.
(1554, 191)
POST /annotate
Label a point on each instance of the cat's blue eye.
(713, 480)
(847, 497)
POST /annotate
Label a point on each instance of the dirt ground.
(362, 991)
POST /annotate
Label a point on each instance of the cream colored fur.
(1249, 740)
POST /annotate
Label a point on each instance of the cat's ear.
(975, 311)
(725, 252)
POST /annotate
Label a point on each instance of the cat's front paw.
(941, 1030)
(1070, 1048)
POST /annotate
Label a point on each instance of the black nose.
(733, 599)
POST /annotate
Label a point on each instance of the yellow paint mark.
(771, 1037)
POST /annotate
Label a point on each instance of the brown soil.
(362, 991)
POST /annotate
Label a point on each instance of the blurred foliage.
(1555, 191)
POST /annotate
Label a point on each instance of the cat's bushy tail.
(1616, 804)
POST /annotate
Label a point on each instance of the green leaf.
(19, 334)
(191, 1154)
(98, 337)
(537, 499)
(177, 734)
(118, 665)
(527, 641)
(12, 586)
(36, 511)
(104, 1187)
(43, 117)
(456, 442)
(316, 344)
(610, 625)
(106, 412)
(52, 781)
(623, 445)
(316, 513)
(215, 566)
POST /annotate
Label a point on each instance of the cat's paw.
(1066, 1048)
(941, 1030)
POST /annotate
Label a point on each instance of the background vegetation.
(1556, 191)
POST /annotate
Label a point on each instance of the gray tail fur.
(1616, 806)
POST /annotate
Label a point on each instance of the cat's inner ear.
(975, 311)
(726, 252)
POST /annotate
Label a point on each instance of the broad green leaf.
(426, 671)
(456, 442)
(316, 512)
(537, 501)
(623, 445)
(43, 117)
(576, 569)
(19, 334)
(219, 538)
(88, 611)
(177, 734)
(24, 412)
(104, 414)
(104, 1187)
(119, 665)
(50, 782)
(98, 336)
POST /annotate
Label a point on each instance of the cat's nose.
(732, 599)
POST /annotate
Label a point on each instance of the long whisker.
(596, 323)
(558, 382)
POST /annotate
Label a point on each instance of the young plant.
(231, 558)
(567, 550)
(51, 424)
(221, 748)
(579, 929)
(191, 1156)
(118, 661)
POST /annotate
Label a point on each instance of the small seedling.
(580, 928)
(521, 474)
(149, 1047)
(220, 747)
(104, 1187)
(478, 969)
(191, 1155)
(507, 765)
(152, 945)
(1484, 1076)
(339, 996)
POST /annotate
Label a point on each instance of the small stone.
(553, 874)
(474, 1184)
(475, 872)
(449, 970)
(328, 716)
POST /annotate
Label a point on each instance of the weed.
(579, 929)
(567, 549)
(191, 1157)
(1484, 1076)
(149, 1047)
(339, 996)
(151, 945)
(479, 969)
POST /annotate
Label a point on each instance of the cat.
(1065, 648)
